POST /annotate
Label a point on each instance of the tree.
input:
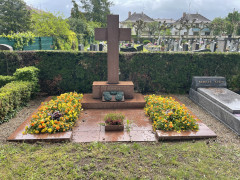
(96, 10)
(139, 25)
(233, 25)
(218, 26)
(187, 24)
(14, 16)
(47, 24)
(152, 28)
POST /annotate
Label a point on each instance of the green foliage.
(17, 93)
(5, 79)
(96, 10)
(114, 119)
(14, 16)
(13, 95)
(146, 42)
(20, 39)
(150, 72)
(27, 74)
(48, 24)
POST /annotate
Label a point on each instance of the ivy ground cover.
(169, 115)
(57, 115)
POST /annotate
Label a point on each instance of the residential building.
(191, 25)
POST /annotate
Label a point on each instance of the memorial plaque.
(208, 81)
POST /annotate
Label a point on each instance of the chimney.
(129, 13)
(184, 14)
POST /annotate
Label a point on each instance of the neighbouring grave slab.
(222, 103)
(18, 134)
(225, 98)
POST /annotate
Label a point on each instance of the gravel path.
(7, 128)
(225, 135)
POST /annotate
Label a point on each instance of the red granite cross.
(113, 34)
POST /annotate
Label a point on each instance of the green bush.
(64, 71)
(17, 93)
(146, 42)
(5, 79)
(13, 95)
(27, 74)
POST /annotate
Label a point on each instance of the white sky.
(153, 8)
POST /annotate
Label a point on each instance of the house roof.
(190, 17)
(30, 8)
(168, 21)
(136, 16)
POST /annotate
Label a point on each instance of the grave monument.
(211, 94)
(100, 89)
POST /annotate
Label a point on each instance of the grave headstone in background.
(80, 47)
(100, 47)
(5, 47)
(194, 45)
(221, 45)
(92, 47)
(197, 46)
(213, 46)
(185, 47)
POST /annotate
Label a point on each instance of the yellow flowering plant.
(57, 115)
(169, 115)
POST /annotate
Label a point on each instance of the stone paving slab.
(203, 133)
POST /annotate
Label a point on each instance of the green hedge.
(5, 79)
(63, 71)
(17, 93)
(13, 95)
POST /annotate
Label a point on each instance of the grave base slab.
(100, 86)
(89, 102)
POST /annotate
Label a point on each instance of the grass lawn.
(164, 160)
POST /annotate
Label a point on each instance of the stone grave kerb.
(113, 34)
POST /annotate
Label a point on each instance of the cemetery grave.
(96, 105)
(211, 93)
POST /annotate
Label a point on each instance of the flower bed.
(168, 114)
(57, 115)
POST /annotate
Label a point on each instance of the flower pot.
(114, 127)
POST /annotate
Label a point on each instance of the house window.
(207, 33)
(197, 25)
(176, 33)
(195, 33)
(185, 33)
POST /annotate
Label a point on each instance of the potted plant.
(114, 122)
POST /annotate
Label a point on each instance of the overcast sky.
(153, 8)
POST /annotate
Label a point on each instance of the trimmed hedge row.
(14, 95)
(62, 71)
(17, 93)
(5, 79)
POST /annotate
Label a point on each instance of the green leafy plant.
(114, 119)
(20, 39)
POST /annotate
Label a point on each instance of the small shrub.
(56, 115)
(27, 74)
(168, 114)
(5, 79)
(114, 119)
